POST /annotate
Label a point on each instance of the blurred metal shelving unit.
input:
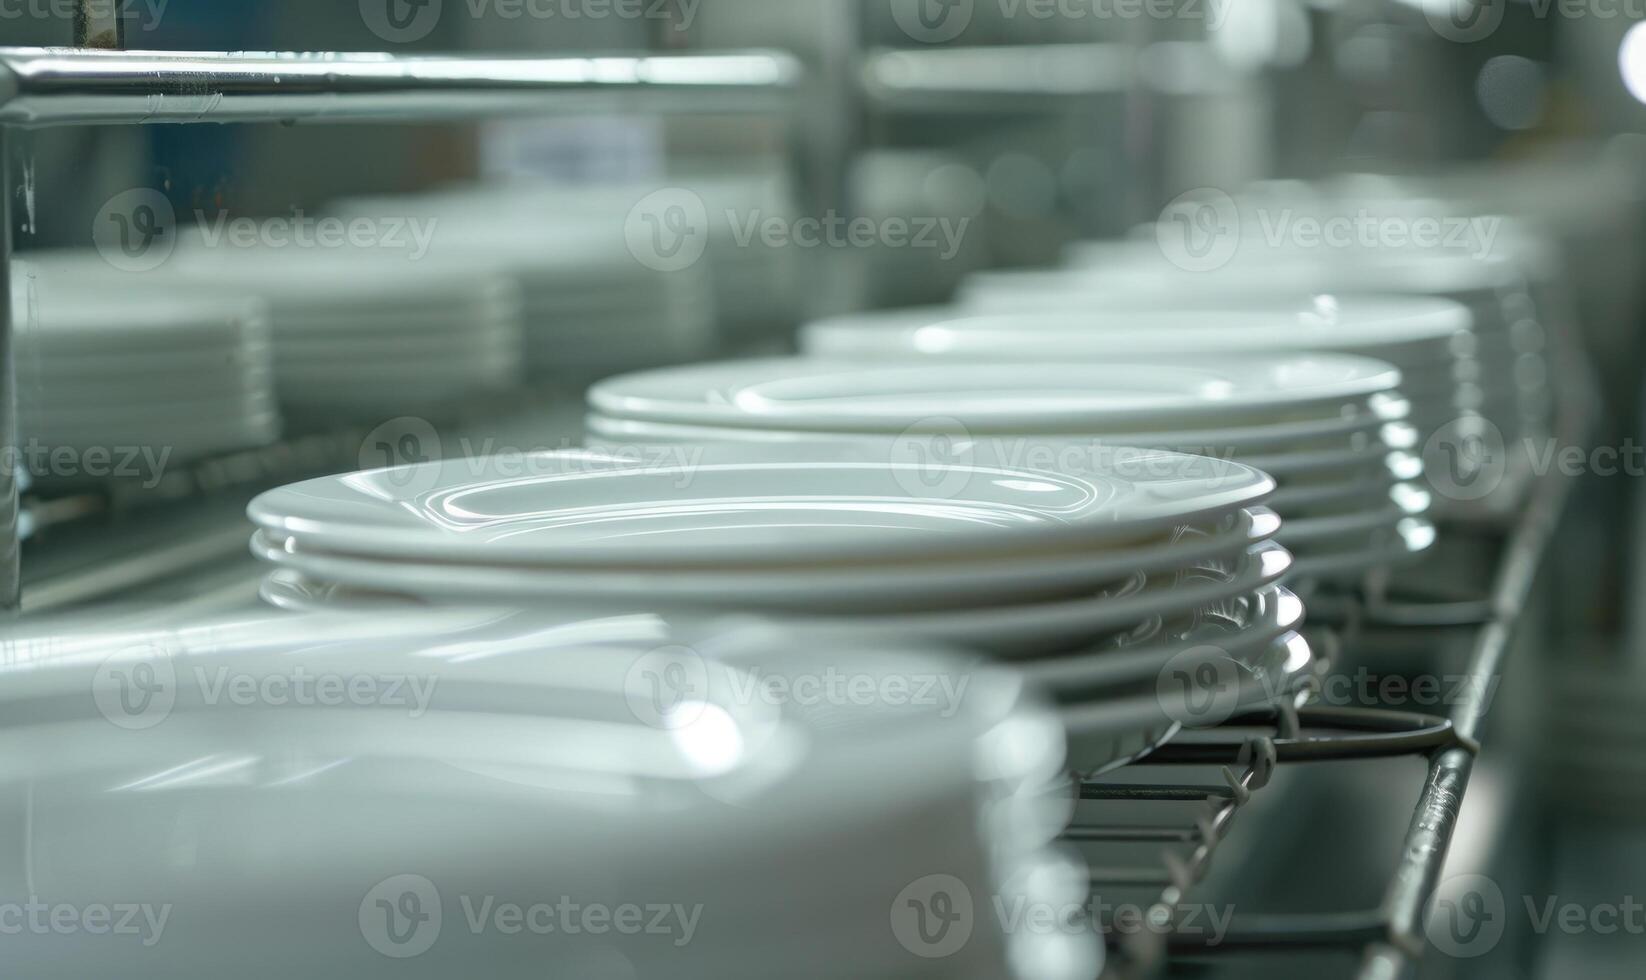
(42, 87)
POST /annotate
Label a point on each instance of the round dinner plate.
(716, 505)
(1068, 324)
(868, 587)
(797, 393)
(1371, 427)
(1017, 630)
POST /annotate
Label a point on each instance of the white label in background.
(582, 151)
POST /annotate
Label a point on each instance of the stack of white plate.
(1327, 427)
(121, 375)
(1509, 388)
(525, 800)
(361, 334)
(1103, 570)
(1429, 340)
(756, 279)
(937, 203)
(590, 305)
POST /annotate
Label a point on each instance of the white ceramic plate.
(864, 588)
(723, 505)
(1025, 629)
(1323, 443)
(826, 395)
(1071, 325)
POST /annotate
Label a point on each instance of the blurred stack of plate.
(521, 799)
(756, 278)
(926, 209)
(1327, 427)
(1506, 398)
(361, 334)
(116, 377)
(1429, 340)
(1103, 571)
(593, 301)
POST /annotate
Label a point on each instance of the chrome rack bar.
(1036, 77)
(42, 87)
(74, 86)
(11, 537)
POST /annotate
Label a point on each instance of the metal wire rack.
(1230, 764)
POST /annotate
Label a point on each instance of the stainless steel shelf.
(72, 86)
(1029, 77)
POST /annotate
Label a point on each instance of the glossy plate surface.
(805, 394)
(707, 505)
(1067, 322)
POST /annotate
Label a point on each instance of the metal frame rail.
(1390, 938)
(80, 86)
